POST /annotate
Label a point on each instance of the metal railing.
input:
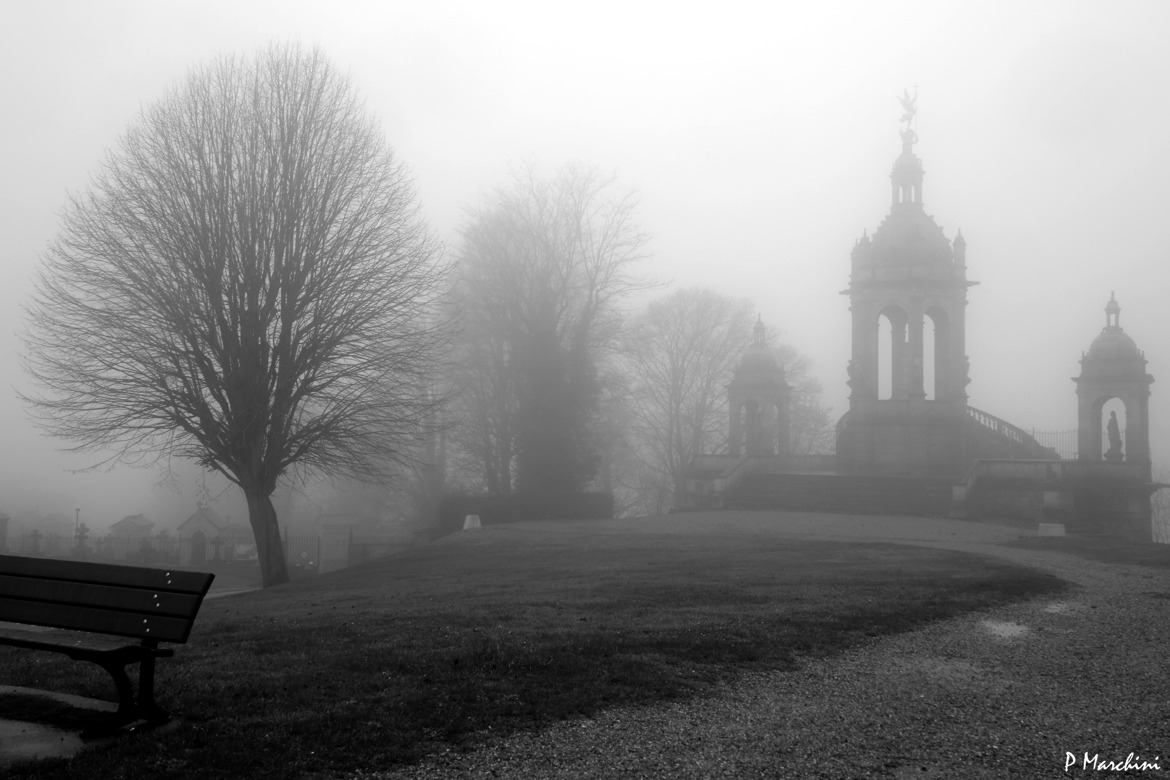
(1021, 443)
(1063, 443)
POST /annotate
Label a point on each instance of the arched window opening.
(929, 359)
(936, 354)
(893, 358)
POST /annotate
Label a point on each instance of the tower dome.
(758, 366)
(908, 236)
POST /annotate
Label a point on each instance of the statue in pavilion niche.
(1114, 432)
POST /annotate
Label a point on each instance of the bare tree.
(484, 431)
(682, 351)
(543, 263)
(810, 422)
(246, 283)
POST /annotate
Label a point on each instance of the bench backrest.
(149, 604)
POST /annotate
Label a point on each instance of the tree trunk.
(269, 547)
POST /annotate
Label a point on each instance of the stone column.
(899, 370)
(1088, 427)
(1137, 427)
(767, 427)
(734, 427)
(751, 429)
(864, 375)
(943, 360)
(916, 364)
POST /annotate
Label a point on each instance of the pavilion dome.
(1113, 350)
(757, 358)
(758, 366)
(1113, 344)
(757, 362)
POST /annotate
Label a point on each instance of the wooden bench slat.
(155, 602)
(73, 641)
(79, 618)
(107, 574)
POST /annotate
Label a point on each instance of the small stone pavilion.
(1114, 367)
(1107, 488)
(758, 403)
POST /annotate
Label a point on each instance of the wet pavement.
(21, 741)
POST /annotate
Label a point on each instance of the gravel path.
(1003, 694)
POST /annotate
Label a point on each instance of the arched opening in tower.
(935, 354)
(892, 354)
(929, 359)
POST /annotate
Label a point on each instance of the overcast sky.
(759, 135)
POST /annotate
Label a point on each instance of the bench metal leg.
(147, 709)
(126, 707)
(129, 709)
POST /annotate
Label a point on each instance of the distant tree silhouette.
(543, 263)
(245, 283)
(810, 422)
(681, 353)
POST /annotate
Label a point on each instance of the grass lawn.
(488, 632)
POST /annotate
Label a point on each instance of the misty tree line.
(556, 387)
(247, 283)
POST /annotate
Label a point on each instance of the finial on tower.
(909, 112)
(1113, 312)
(759, 333)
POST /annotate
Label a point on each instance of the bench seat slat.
(79, 618)
(107, 574)
(155, 602)
(72, 642)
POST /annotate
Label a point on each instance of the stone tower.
(1114, 368)
(757, 402)
(908, 272)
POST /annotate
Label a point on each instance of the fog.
(760, 139)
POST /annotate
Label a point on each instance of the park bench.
(111, 615)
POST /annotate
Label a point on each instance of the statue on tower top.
(909, 110)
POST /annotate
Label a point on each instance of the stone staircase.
(990, 437)
(841, 494)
